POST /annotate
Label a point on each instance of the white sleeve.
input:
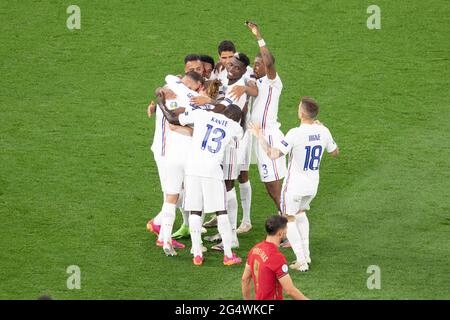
(276, 82)
(183, 93)
(236, 133)
(188, 117)
(287, 143)
(240, 103)
(239, 132)
(226, 101)
(248, 74)
(213, 75)
(170, 79)
(331, 145)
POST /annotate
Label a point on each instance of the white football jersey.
(176, 145)
(265, 105)
(305, 145)
(223, 77)
(223, 74)
(212, 133)
(159, 138)
(162, 130)
(184, 94)
(164, 136)
(229, 99)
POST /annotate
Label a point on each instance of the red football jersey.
(268, 265)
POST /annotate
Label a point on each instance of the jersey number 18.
(312, 159)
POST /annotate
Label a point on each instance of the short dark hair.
(226, 45)
(191, 57)
(310, 106)
(242, 57)
(233, 112)
(275, 223)
(195, 76)
(207, 59)
(259, 55)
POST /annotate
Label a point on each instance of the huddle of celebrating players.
(203, 143)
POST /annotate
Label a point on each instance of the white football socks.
(157, 219)
(232, 210)
(245, 190)
(185, 214)
(301, 220)
(195, 228)
(168, 218)
(296, 242)
(224, 228)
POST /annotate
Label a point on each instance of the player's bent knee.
(172, 198)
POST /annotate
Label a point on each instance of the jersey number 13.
(215, 143)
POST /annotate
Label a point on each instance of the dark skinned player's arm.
(171, 115)
(251, 89)
(244, 115)
(268, 61)
(265, 53)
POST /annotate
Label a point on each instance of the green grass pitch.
(78, 182)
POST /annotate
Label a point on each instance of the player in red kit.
(267, 266)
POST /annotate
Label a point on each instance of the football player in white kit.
(192, 62)
(204, 184)
(177, 145)
(265, 114)
(208, 66)
(234, 154)
(181, 88)
(184, 96)
(226, 51)
(305, 145)
(158, 147)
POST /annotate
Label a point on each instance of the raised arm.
(272, 152)
(265, 53)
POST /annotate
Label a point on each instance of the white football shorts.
(204, 194)
(292, 204)
(244, 151)
(269, 170)
(160, 165)
(230, 163)
(174, 176)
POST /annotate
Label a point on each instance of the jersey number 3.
(219, 135)
(312, 159)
